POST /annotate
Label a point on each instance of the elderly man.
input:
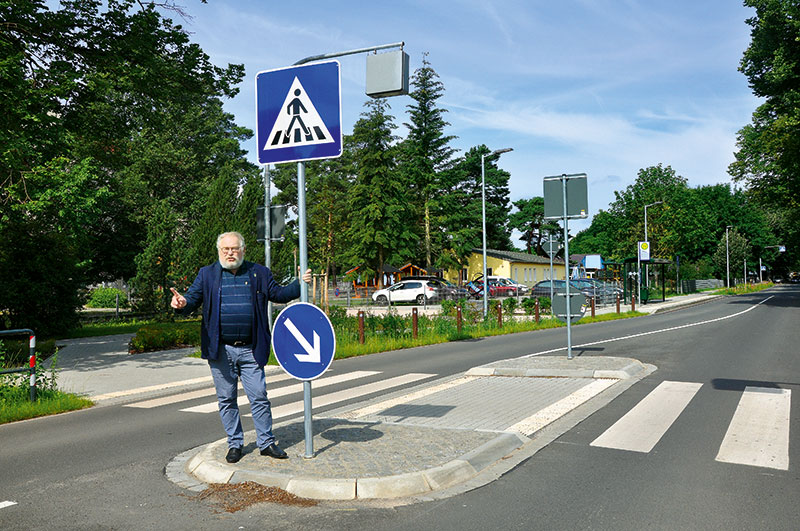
(235, 336)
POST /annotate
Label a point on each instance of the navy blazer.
(206, 290)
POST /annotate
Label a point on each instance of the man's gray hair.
(226, 234)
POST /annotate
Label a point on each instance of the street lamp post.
(483, 217)
(647, 277)
(727, 258)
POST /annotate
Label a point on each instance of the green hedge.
(161, 336)
(107, 298)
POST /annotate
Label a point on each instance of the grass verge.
(742, 289)
(15, 403)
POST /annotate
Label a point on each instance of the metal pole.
(268, 234)
(483, 220)
(550, 252)
(727, 261)
(301, 218)
(638, 272)
(760, 279)
(566, 266)
(349, 52)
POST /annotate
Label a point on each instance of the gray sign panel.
(577, 197)
(576, 302)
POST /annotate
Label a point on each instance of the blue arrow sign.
(303, 341)
(299, 113)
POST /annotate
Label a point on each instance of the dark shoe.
(234, 454)
(273, 451)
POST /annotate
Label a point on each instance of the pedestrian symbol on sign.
(299, 123)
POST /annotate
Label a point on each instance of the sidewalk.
(435, 440)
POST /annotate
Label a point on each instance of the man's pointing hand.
(178, 300)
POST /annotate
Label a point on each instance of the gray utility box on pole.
(277, 214)
(387, 74)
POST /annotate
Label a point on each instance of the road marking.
(211, 407)
(128, 392)
(208, 391)
(643, 426)
(347, 394)
(553, 412)
(758, 434)
(642, 334)
(386, 404)
(5, 504)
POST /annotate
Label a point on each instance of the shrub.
(166, 335)
(107, 298)
(529, 304)
(509, 306)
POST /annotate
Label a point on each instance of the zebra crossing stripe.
(272, 379)
(758, 434)
(340, 396)
(211, 407)
(555, 411)
(640, 429)
(5, 504)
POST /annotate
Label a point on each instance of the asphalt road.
(103, 468)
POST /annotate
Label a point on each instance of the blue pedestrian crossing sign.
(299, 113)
(303, 341)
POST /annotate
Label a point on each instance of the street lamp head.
(500, 151)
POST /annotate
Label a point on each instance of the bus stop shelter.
(653, 280)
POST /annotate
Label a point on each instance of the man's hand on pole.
(306, 275)
(178, 300)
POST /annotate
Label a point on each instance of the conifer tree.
(379, 229)
(426, 154)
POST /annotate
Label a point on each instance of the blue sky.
(601, 87)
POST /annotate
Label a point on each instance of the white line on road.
(272, 379)
(5, 504)
(420, 393)
(542, 418)
(758, 434)
(644, 425)
(340, 396)
(211, 407)
(642, 334)
(138, 390)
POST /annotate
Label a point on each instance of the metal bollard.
(617, 303)
(361, 326)
(499, 315)
(536, 311)
(31, 369)
(458, 318)
(633, 303)
(414, 323)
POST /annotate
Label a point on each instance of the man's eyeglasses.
(226, 250)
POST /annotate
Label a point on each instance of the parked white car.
(419, 291)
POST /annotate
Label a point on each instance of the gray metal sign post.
(565, 197)
(551, 246)
(390, 78)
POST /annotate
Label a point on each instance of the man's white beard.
(234, 265)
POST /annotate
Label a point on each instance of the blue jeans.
(239, 363)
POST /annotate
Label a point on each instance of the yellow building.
(522, 268)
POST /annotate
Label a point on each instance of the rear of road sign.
(298, 113)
